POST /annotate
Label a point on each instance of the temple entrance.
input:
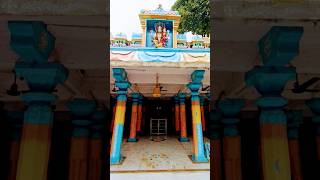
(159, 91)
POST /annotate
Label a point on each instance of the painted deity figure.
(160, 37)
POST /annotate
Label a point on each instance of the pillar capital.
(294, 120)
(98, 117)
(270, 81)
(215, 124)
(176, 99)
(135, 98)
(82, 110)
(182, 96)
(314, 105)
(31, 41)
(81, 107)
(42, 77)
(280, 45)
(202, 100)
(197, 76)
(230, 108)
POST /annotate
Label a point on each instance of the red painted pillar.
(139, 120)
(294, 119)
(230, 108)
(215, 143)
(177, 113)
(314, 105)
(113, 117)
(134, 116)
(95, 154)
(81, 110)
(183, 123)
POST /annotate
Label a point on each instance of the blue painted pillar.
(198, 145)
(277, 48)
(273, 122)
(81, 110)
(230, 108)
(122, 83)
(183, 120)
(33, 43)
(95, 147)
(295, 119)
(314, 105)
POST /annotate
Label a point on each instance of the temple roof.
(159, 11)
(136, 36)
(197, 38)
(120, 36)
(181, 37)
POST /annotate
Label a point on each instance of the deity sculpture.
(160, 36)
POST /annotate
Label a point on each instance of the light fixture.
(157, 89)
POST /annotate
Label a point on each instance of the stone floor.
(168, 158)
(200, 175)
(168, 155)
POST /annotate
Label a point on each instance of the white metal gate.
(158, 129)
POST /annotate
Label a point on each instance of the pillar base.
(184, 139)
(132, 140)
(116, 161)
(199, 159)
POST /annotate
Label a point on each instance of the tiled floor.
(200, 175)
(168, 155)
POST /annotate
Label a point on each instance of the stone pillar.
(122, 83)
(32, 42)
(295, 118)
(208, 95)
(113, 117)
(198, 145)
(273, 122)
(215, 143)
(183, 123)
(134, 117)
(175, 33)
(81, 110)
(314, 105)
(95, 154)
(230, 108)
(203, 119)
(277, 48)
(15, 118)
(177, 113)
(144, 32)
(139, 116)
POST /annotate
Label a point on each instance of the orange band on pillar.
(177, 117)
(183, 120)
(294, 152)
(133, 124)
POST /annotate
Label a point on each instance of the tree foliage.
(195, 16)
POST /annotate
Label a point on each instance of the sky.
(124, 14)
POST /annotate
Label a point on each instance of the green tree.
(195, 16)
